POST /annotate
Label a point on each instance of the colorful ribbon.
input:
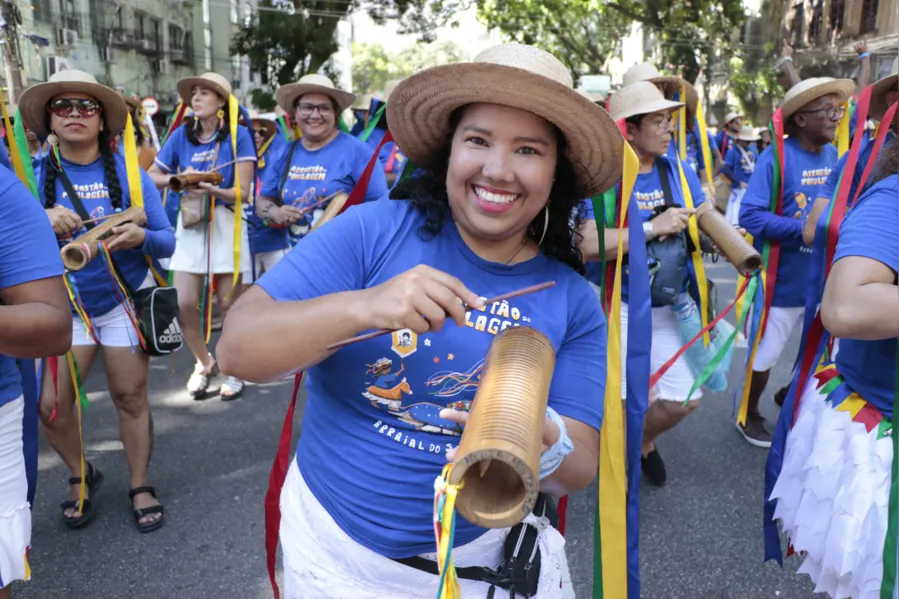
(233, 110)
(888, 586)
(445, 533)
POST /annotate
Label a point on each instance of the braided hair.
(113, 185)
(192, 130)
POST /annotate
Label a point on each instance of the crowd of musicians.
(459, 183)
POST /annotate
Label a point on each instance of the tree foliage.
(583, 34)
(373, 66)
(758, 90)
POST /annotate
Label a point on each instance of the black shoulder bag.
(670, 255)
(156, 307)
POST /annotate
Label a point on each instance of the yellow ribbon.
(82, 488)
(451, 589)
(744, 402)
(843, 131)
(17, 164)
(612, 461)
(704, 145)
(238, 209)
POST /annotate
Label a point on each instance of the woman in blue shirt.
(325, 162)
(205, 248)
(833, 494)
(738, 166)
(35, 322)
(81, 117)
(490, 214)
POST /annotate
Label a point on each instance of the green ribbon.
(82, 396)
(341, 124)
(22, 145)
(373, 122)
(887, 588)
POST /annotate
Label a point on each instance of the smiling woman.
(508, 149)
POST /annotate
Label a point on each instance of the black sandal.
(140, 513)
(94, 480)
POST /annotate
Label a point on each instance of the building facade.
(142, 46)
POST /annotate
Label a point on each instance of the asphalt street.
(701, 533)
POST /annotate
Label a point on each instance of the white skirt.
(190, 246)
(15, 513)
(323, 562)
(832, 497)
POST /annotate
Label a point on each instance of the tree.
(583, 34)
(286, 39)
(373, 66)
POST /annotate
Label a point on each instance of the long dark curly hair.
(109, 170)
(428, 193)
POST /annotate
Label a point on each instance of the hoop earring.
(545, 224)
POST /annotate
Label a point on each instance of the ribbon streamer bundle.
(77, 254)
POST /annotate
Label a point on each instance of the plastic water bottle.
(699, 355)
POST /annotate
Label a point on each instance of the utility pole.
(12, 55)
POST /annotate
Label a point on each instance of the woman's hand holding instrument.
(64, 221)
(78, 254)
(729, 240)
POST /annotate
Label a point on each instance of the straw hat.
(287, 95)
(879, 90)
(730, 117)
(362, 102)
(642, 97)
(511, 75)
(672, 83)
(747, 133)
(213, 81)
(33, 103)
(810, 90)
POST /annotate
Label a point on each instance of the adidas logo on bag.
(172, 333)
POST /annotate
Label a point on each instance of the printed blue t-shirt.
(28, 252)
(742, 164)
(805, 173)
(724, 141)
(390, 156)
(372, 447)
(265, 239)
(317, 174)
(869, 231)
(179, 153)
(93, 281)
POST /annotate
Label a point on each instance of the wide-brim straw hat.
(517, 76)
(271, 128)
(34, 100)
(642, 97)
(362, 102)
(731, 116)
(748, 133)
(810, 90)
(878, 107)
(213, 81)
(287, 95)
(671, 83)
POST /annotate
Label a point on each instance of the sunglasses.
(261, 132)
(63, 107)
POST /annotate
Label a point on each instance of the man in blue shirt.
(738, 166)
(811, 112)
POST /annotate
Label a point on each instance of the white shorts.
(15, 513)
(781, 322)
(266, 261)
(114, 328)
(732, 213)
(676, 383)
(323, 562)
(190, 246)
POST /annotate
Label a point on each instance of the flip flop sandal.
(231, 389)
(94, 482)
(142, 512)
(198, 383)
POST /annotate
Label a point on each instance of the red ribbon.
(774, 246)
(361, 187)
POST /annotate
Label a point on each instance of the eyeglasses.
(306, 109)
(259, 132)
(832, 112)
(63, 107)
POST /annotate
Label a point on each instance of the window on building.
(69, 17)
(176, 38)
(41, 11)
(141, 26)
(836, 16)
(869, 16)
(235, 11)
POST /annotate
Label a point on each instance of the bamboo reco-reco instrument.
(498, 458)
(730, 241)
(179, 183)
(77, 254)
(487, 302)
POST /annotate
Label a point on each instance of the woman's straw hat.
(212, 81)
(731, 116)
(34, 100)
(879, 90)
(287, 95)
(517, 76)
(642, 97)
(810, 90)
(671, 83)
(747, 133)
(271, 129)
(362, 102)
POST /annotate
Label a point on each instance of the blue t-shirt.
(93, 282)
(742, 164)
(805, 173)
(864, 156)
(724, 141)
(372, 440)
(178, 154)
(317, 174)
(28, 252)
(869, 231)
(392, 159)
(265, 239)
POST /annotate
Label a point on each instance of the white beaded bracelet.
(552, 458)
